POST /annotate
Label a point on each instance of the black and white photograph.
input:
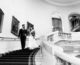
(39, 32)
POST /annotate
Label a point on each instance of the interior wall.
(37, 12)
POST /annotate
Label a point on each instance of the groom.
(22, 36)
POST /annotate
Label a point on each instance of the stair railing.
(8, 39)
(62, 58)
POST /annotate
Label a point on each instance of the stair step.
(23, 53)
(13, 63)
(14, 57)
(14, 60)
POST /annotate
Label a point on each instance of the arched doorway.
(74, 22)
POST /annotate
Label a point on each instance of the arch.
(56, 22)
(74, 19)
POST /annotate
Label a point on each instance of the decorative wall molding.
(63, 2)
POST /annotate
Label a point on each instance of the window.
(1, 19)
(75, 22)
(57, 24)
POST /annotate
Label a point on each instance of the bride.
(32, 43)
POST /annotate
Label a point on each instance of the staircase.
(19, 57)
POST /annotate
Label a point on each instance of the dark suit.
(22, 35)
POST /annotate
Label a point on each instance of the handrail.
(52, 39)
(62, 55)
(68, 41)
(10, 38)
(13, 38)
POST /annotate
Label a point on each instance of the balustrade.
(61, 57)
(59, 36)
(64, 35)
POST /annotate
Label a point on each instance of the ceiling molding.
(63, 2)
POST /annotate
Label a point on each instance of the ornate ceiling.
(63, 2)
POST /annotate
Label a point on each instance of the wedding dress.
(32, 43)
